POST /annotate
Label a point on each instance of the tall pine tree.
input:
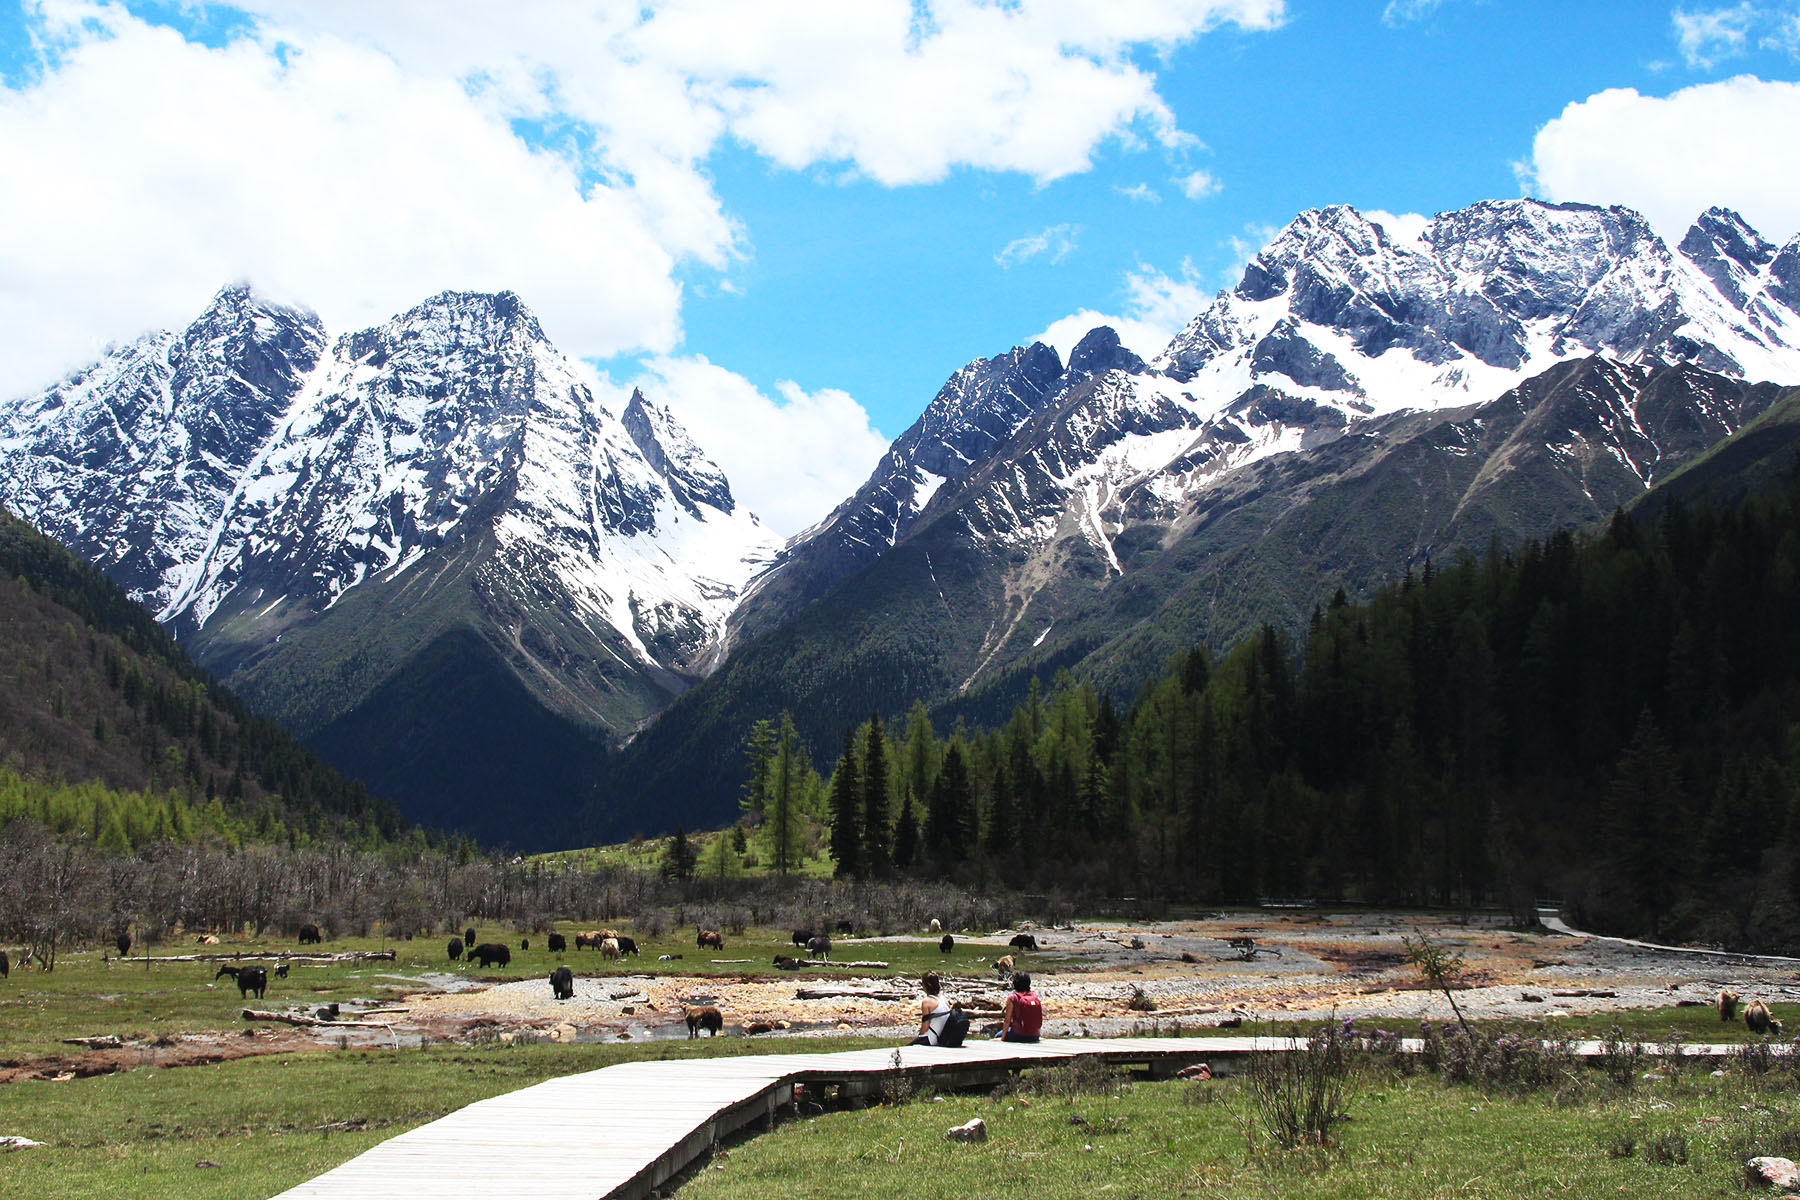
(846, 811)
(877, 852)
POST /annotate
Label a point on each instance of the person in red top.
(1022, 1015)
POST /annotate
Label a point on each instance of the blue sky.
(792, 219)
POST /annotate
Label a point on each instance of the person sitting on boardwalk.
(934, 1010)
(1022, 1014)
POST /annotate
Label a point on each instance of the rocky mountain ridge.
(312, 515)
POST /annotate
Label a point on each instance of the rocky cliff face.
(1365, 399)
(311, 516)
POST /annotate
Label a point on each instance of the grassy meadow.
(1406, 1137)
(270, 1121)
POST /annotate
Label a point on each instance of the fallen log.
(252, 1014)
(831, 993)
(869, 965)
(1598, 993)
(721, 961)
(108, 1041)
(1207, 1011)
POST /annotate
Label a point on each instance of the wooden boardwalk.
(623, 1130)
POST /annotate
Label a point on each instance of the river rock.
(975, 1130)
(1769, 1172)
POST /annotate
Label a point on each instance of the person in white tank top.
(934, 1010)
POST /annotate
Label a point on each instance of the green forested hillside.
(964, 614)
(109, 731)
(1612, 719)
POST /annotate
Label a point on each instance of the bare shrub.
(1622, 1059)
(1300, 1096)
(1513, 1063)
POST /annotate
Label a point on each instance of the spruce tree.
(950, 810)
(679, 859)
(846, 811)
(906, 833)
(877, 852)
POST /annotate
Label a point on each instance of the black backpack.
(956, 1027)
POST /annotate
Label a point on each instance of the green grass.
(1406, 1138)
(140, 1133)
(86, 996)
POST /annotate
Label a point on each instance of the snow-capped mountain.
(248, 478)
(1368, 396)
(1339, 319)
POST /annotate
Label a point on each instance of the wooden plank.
(654, 1118)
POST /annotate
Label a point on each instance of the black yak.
(558, 943)
(562, 983)
(456, 949)
(489, 953)
(252, 979)
(309, 935)
(947, 945)
(1023, 941)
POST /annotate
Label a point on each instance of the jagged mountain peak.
(1100, 351)
(666, 445)
(482, 321)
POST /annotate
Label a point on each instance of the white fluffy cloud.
(357, 157)
(1058, 242)
(1157, 307)
(1710, 35)
(790, 457)
(1673, 157)
(1198, 185)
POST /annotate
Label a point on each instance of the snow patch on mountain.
(243, 458)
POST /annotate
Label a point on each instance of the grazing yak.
(708, 937)
(801, 937)
(610, 948)
(558, 943)
(591, 938)
(708, 1018)
(562, 983)
(937, 926)
(784, 963)
(524, 943)
(281, 970)
(469, 936)
(845, 927)
(1758, 1019)
(309, 935)
(1727, 1002)
(1023, 941)
(490, 953)
(249, 979)
(123, 942)
(627, 945)
(820, 947)
(947, 945)
(1004, 966)
(456, 949)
